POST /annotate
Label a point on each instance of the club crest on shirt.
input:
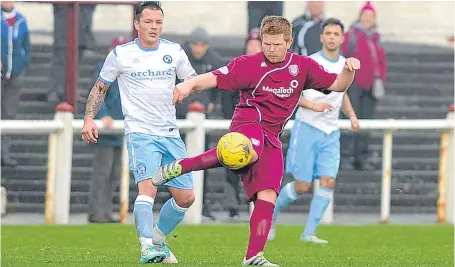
(293, 69)
(167, 59)
(140, 168)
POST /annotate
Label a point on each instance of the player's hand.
(354, 124)
(89, 131)
(321, 107)
(107, 121)
(352, 64)
(181, 91)
(210, 108)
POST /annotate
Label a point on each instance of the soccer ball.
(234, 150)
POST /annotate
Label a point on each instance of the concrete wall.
(417, 22)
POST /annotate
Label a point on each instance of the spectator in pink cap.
(362, 41)
(107, 153)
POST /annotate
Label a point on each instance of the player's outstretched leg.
(175, 169)
(319, 204)
(287, 195)
(143, 215)
(171, 215)
(260, 223)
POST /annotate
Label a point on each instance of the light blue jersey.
(314, 147)
(146, 79)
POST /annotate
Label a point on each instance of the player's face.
(7, 5)
(198, 50)
(316, 8)
(253, 47)
(275, 47)
(332, 37)
(149, 26)
(368, 18)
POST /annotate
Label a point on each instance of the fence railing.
(63, 127)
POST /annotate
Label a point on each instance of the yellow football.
(234, 150)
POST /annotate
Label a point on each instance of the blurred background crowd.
(409, 46)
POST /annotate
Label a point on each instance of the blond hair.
(275, 25)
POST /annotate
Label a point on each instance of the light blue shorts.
(148, 152)
(312, 153)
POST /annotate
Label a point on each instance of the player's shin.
(319, 204)
(260, 223)
(143, 217)
(171, 215)
(286, 197)
(204, 161)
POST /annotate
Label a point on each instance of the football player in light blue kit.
(314, 148)
(146, 70)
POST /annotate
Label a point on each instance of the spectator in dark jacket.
(203, 59)
(362, 41)
(15, 50)
(306, 29)
(257, 10)
(108, 153)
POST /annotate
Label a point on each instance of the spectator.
(203, 59)
(86, 42)
(108, 153)
(257, 10)
(362, 41)
(15, 50)
(306, 29)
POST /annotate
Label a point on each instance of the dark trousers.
(106, 172)
(10, 102)
(258, 10)
(364, 105)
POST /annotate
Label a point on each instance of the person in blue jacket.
(15, 50)
(107, 153)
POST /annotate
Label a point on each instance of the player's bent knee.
(301, 187)
(327, 182)
(184, 198)
(147, 188)
(268, 195)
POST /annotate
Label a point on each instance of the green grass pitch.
(224, 245)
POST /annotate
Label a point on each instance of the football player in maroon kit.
(270, 84)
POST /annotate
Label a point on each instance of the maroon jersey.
(269, 93)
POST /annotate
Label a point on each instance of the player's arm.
(348, 110)
(315, 106)
(107, 76)
(231, 77)
(346, 77)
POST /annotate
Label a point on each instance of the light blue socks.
(170, 216)
(319, 204)
(286, 197)
(143, 216)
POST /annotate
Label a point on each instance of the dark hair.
(332, 21)
(154, 5)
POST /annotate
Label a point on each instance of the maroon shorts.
(267, 172)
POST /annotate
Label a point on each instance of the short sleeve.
(184, 68)
(318, 78)
(110, 69)
(234, 76)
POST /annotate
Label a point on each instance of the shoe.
(258, 260)
(166, 173)
(233, 213)
(111, 220)
(150, 254)
(206, 213)
(170, 257)
(314, 239)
